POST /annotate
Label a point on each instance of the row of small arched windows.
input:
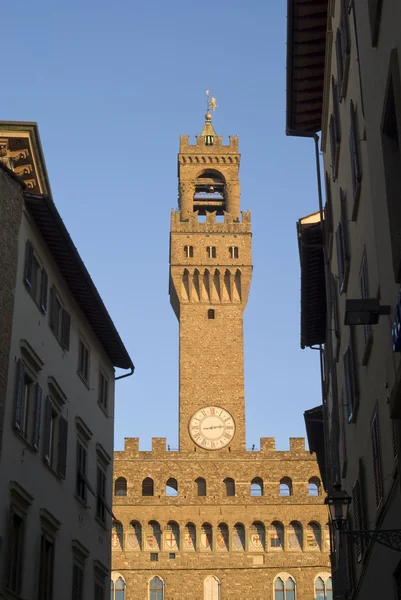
(153, 539)
(256, 487)
(211, 251)
(284, 586)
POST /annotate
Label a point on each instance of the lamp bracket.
(386, 537)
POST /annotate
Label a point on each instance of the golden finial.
(211, 105)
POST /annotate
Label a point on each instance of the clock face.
(212, 427)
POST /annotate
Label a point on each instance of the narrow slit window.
(210, 313)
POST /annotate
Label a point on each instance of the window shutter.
(99, 591)
(47, 428)
(28, 263)
(349, 382)
(336, 110)
(19, 394)
(336, 319)
(344, 223)
(353, 145)
(62, 447)
(43, 291)
(52, 308)
(65, 329)
(377, 466)
(346, 42)
(356, 510)
(339, 56)
(77, 583)
(340, 255)
(37, 415)
(328, 209)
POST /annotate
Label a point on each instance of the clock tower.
(210, 275)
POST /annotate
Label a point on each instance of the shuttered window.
(351, 380)
(55, 438)
(101, 494)
(60, 319)
(364, 289)
(35, 277)
(328, 215)
(335, 129)
(15, 552)
(81, 471)
(46, 563)
(99, 591)
(28, 406)
(342, 245)
(77, 582)
(377, 462)
(343, 47)
(375, 11)
(355, 159)
(83, 360)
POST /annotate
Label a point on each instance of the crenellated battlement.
(161, 449)
(217, 148)
(211, 224)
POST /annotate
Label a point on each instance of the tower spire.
(208, 132)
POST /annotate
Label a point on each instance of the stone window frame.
(36, 280)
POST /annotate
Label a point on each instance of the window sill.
(9, 594)
(83, 503)
(23, 439)
(84, 381)
(103, 409)
(40, 308)
(102, 524)
(52, 470)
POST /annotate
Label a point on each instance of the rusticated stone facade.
(214, 520)
(11, 202)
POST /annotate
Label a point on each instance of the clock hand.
(213, 427)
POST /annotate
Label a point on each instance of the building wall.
(375, 364)
(247, 573)
(10, 217)
(22, 464)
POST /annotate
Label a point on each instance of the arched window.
(190, 537)
(230, 486)
(206, 538)
(313, 536)
(156, 589)
(222, 544)
(172, 537)
(147, 487)
(323, 587)
(201, 486)
(117, 587)
(172, 487)
(134, 536)
(257, 487)
(238, 542)
(211, 588)
(117, 536)
(153, 536)
(120, 487)
(188, 251)
(276, 536)
(295, 541)
(284, 587)
(285, 487)
(314, 486)
(257, 537)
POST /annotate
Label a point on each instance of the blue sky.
(112, 85)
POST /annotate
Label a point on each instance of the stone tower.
(213, 520)
(210, 275)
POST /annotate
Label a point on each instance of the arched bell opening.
(210, 192)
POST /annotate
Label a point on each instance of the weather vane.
(211, 103)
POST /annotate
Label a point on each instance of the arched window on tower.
(323, 587)
(230, 486)
(120, 487)
(238, 542)
(156, 588)
(284, 587)
(172, 487)
(257, 487)
(117, 587)
(234, 251)
(147, 487)
(295, 541)
(189, 251)
(276, 535)
(210, 193)
(285, 486)
(314, 486)
(201, 486)
(313, 536)
(211, 588)
(117, 536)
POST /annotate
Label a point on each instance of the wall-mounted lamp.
(364, 311)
